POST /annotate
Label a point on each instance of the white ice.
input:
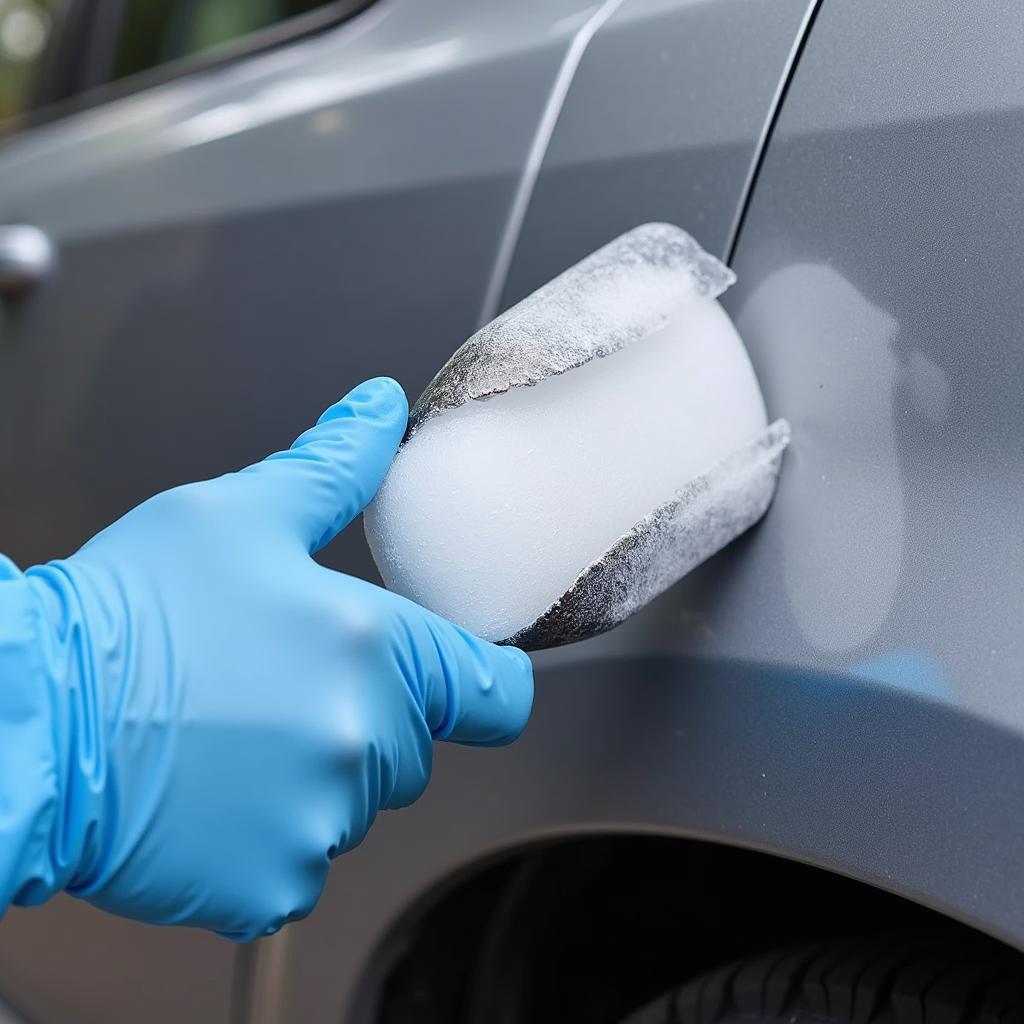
(491, 510)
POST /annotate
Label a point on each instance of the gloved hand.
(226, 715)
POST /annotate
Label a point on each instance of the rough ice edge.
(571, 320)
(697, 521)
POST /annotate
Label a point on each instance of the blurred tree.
(149, 33)
(25, 29)
(155, 32)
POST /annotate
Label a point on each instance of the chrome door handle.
(26, 256)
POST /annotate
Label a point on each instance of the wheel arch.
(854, 776)
(592, 923)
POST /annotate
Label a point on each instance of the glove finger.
(472, 691)
(334, 469)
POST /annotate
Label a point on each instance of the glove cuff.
(76, 728)
(30, 778)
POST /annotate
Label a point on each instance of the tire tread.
(882, 980)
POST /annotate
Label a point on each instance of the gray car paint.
(314, 969)
(864, 642)
(842, 686)
(235, 249)
(664, 122)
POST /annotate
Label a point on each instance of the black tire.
(884, 980)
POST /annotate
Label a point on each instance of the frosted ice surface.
(514, 516)
(699, 519)
(621, 293)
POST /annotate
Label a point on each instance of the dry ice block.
(581, 452)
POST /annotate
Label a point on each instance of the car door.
(250, 207)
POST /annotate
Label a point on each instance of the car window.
(155, 32)
(25, 30)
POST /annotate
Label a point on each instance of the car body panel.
(582, 198)
(878, 294)
(841, 686)
(241, 234)
(664, 121)
(236, 248)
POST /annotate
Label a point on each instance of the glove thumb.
(333, 470)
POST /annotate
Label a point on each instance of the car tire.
(885, 980)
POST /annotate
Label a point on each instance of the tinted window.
(154, 32)
(25, 29)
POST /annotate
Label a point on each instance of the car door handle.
(26, 257)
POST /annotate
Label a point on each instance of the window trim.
(86, 86)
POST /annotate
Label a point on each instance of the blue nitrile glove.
(195, 716)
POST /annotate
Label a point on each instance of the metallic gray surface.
(237, 249)
(27, 256)
(879, 297)
(8, 1015)
(841, 686)
(217, 284)
(318, 963)
(401, 97)
(523, 195)
(66, 962)
(663, 122)
(735, 752)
